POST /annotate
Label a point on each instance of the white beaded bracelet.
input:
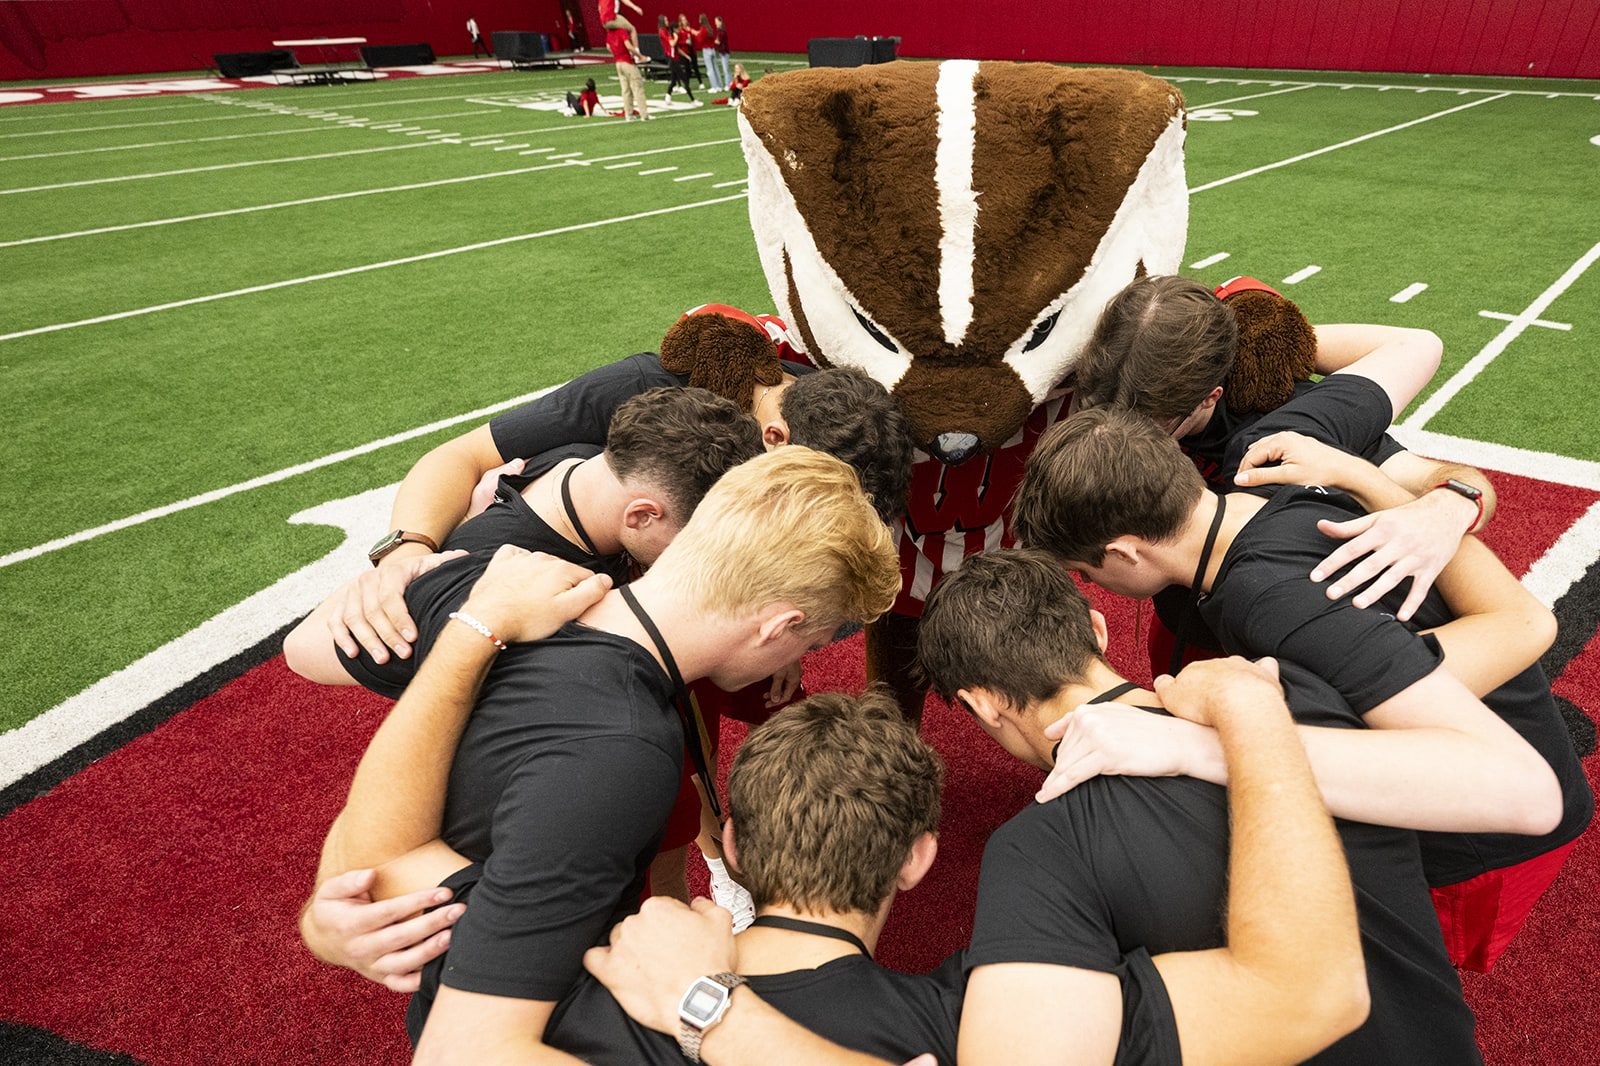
(472, 623)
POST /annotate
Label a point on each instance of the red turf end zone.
(125, 90)
(152, 898)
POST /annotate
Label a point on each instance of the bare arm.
(1291, 980)
(1401, 361)
(473, 1027)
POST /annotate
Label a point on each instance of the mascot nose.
(954, 448)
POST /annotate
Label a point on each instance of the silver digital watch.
(703, 1006)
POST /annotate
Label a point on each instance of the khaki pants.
(632, 90)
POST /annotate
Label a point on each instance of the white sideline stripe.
(510, 147)
(265, 479)
(113, 699)
(203, 170)
(363, 268)
(657, 170)
(213, 117)
(1210, 260)
(1302, 274)
(1344, 144)
(1371, 85)
(223, 213)
(1567, 560)
(204, 140)
(566, 155)
(116, 112)
(731, 184)
(1405, 294)
(1513, 329)
(1503, 317)
(615, 166)
(1540, 466)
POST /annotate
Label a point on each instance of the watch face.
(385, 542)
(701, 1003)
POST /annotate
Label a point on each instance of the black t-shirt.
(1121, 865)
(1348, 411)
(507, 520)
(1263, 603)
(580, 411)
(561, 787)
(851, 1001)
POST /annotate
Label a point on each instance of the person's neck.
(696, 639)
(766, 403)
(1097, 680)
(764, 950)
(599, 500)
(1178, 561)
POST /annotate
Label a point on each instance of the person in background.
(720, 35)
(705, 42)
(613, 21)
(677, 59)
(628, 58)
(740, 82)
(477, 39)
(686, 41)
(586, 103)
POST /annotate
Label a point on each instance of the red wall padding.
(1553, 38)
(80, 38)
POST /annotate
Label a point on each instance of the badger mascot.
(954, 230)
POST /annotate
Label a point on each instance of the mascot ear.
(1277, 347)
(721, 351)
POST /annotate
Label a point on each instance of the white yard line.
(1367, 85)
(1405, 294)
(1567, 560)
(363, 268)
(203, 170)
(115, 112)
(1252, 96)
(693, 177)
(213, 117)
(1342, 144)
(627, 163)
(1302, 274)
(731, 184)
(328, 197)
(1503, 317)
(1524, 462)
(1513, 329)
(656, 170)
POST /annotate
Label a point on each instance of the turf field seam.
(326, 198)
(1513, 329)
(207, 169)
(361, 269)
(1344, 144)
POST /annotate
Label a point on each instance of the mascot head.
(954, 229)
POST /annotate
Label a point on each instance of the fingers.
(376, 621)
(346, 885)
(403, 936)
(1345, 553)
(1420, 584)
(339, 630)
(1270, 665)
(1364, 571)
(1068, 775)
(585, 594)
(406, 983)
(404, 967)
(1380, 586)
(387, 912)
(1058, 728)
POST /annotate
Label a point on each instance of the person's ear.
(923, 851)
(730, 849)
(775, 434)
(778, 625)
(1102, 635)
(988, 707)
(1124, 549)
(1211, 398)
(641, 511)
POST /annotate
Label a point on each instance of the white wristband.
(472, 623)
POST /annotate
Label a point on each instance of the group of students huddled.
(1276, 856)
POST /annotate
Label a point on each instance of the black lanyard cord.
(688, 712)
(795, 925)
(572, 513)
(1192, 611)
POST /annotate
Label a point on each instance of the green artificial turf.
(1488, 206)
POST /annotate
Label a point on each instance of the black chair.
(659, 66)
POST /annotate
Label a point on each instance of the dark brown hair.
(1104, 473)
(827, 798)
(1163, 343)
(1012, 622)
(680, 441)
(850, 416)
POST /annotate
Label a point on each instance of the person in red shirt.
(586, 103)
(677, 56)
(720, 39)
(628, 59)
(740, 82)
(705, 41)
(686, 41)
(613, 21)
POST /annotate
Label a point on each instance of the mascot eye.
(1041, 332)
(873, 331)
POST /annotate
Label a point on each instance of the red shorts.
(1480, 916)
(1160, 645)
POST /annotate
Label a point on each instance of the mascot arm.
(1401, 361)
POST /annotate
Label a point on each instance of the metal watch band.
(690, 1035)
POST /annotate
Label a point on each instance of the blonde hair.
(790, 526)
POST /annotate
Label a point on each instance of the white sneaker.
(731, 896)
